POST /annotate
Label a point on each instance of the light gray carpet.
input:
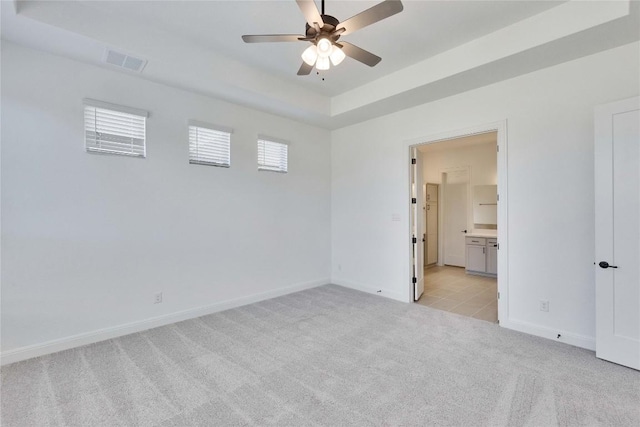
(326, 356)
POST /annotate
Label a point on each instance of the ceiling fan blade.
(359, 54)
(310, 12)
(372, 15)
(305, 69)
(267, 38)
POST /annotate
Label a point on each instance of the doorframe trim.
(500, 127)
(415, 186)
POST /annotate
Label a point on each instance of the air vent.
(125, 61)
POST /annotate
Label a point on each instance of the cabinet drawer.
(478, 241)
(492, 242)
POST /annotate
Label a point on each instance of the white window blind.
(112, 129)
(272, 155)
(208, 146)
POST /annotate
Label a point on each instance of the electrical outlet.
(158, 298)
(544, 305)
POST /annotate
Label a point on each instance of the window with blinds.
(272, 155)
(113, 129)
(209, 146)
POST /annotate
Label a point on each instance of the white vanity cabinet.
(476, 254)
(482, 256)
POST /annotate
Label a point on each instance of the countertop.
(485, 235)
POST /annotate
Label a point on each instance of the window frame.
(272, 140)
(101, 105)
(216, 128)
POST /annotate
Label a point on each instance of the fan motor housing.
(330, 24)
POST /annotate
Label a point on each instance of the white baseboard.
(368, 289)
(577, 340)
(53, 346)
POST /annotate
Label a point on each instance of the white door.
(455, 221)
(417, 222)
(617, 208)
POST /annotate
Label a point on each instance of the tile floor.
(451, 289)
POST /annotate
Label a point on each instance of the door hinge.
(414, 240)
(498, 148)
(414, 161)
(498, 197)
(498, 295)
(414, 280)
(414, 201)
(498, 246)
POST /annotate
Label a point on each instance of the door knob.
(464, 231)
(605, 264)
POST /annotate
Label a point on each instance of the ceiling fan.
(324, 31)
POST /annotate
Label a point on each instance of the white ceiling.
(430, 27)
(197, 45)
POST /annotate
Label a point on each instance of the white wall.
(481, 158)
(87, 240)
(549, 117)
(84, 250)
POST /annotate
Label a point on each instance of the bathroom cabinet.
(482, 256)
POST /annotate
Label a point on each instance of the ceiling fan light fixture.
(323, 63)
(324, 47)
(323, 31)
(337, 56)
(310, 55)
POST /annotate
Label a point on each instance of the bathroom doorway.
(460, 220)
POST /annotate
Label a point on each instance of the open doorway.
(458, 218)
